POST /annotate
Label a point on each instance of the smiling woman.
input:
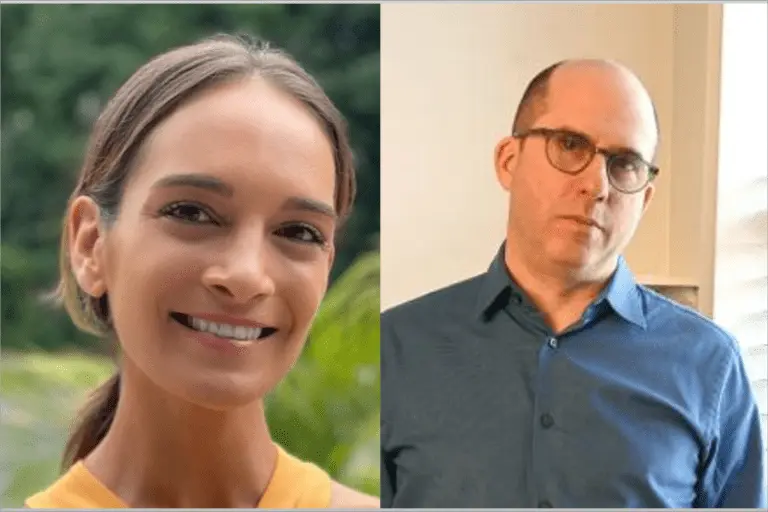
(199, 238)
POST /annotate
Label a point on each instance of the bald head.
(574, 81)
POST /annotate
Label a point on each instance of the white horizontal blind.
(741, 257)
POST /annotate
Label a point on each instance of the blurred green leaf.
(327, 408)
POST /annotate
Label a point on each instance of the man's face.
(580, 221)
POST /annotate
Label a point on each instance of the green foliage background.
(59, 64)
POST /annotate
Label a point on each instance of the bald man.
(554, 379)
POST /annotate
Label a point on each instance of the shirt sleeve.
(388, 477)
(734, 469)
(387, 491)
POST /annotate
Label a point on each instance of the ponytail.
(93, 423)
(92, 315)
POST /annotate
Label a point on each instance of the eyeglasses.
(571, 152)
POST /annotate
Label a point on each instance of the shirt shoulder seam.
(713, 415)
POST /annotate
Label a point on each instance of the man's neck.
(560, 294)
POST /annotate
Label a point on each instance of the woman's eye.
(188, 212)
(302, 233)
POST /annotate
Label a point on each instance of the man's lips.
(586, 221)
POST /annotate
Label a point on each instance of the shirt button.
(547, 420)
(552, 342)
(545, 504)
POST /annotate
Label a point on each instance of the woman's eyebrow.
(310, 205)
(218, 186)
(195, 180)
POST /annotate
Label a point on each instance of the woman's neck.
(163, 452)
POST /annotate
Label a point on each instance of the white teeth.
(225, 331)
(238, 334)
(198, 324)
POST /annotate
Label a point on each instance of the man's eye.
(188, 212)
(626, 163)
(302, 233)
(572, 142)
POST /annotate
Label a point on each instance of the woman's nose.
(243, 274)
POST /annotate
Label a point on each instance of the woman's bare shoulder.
(346, 497)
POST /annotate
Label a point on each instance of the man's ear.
(504, 159)
(86, 245)
(648, 195)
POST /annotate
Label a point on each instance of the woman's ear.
(86, 245)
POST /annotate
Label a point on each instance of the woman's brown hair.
(150, 95)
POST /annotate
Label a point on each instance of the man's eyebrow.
(615, 148)
(202, 181)
(310, 205)
(623, 150)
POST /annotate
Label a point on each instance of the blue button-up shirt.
(642, 403)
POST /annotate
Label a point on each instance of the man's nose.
(593, 180)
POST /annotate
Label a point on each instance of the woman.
(200, 237)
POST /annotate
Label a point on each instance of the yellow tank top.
(294, 484)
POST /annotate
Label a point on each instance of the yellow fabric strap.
(294, 484)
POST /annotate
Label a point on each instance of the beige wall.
(451, 78)
(696, 98)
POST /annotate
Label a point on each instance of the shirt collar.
(496, 287)
(621, 293)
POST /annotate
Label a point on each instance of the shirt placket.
(544, 420)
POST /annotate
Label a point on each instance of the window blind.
(741, 252)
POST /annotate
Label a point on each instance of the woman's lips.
(237, 332)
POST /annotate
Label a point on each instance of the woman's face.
(227, 219)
